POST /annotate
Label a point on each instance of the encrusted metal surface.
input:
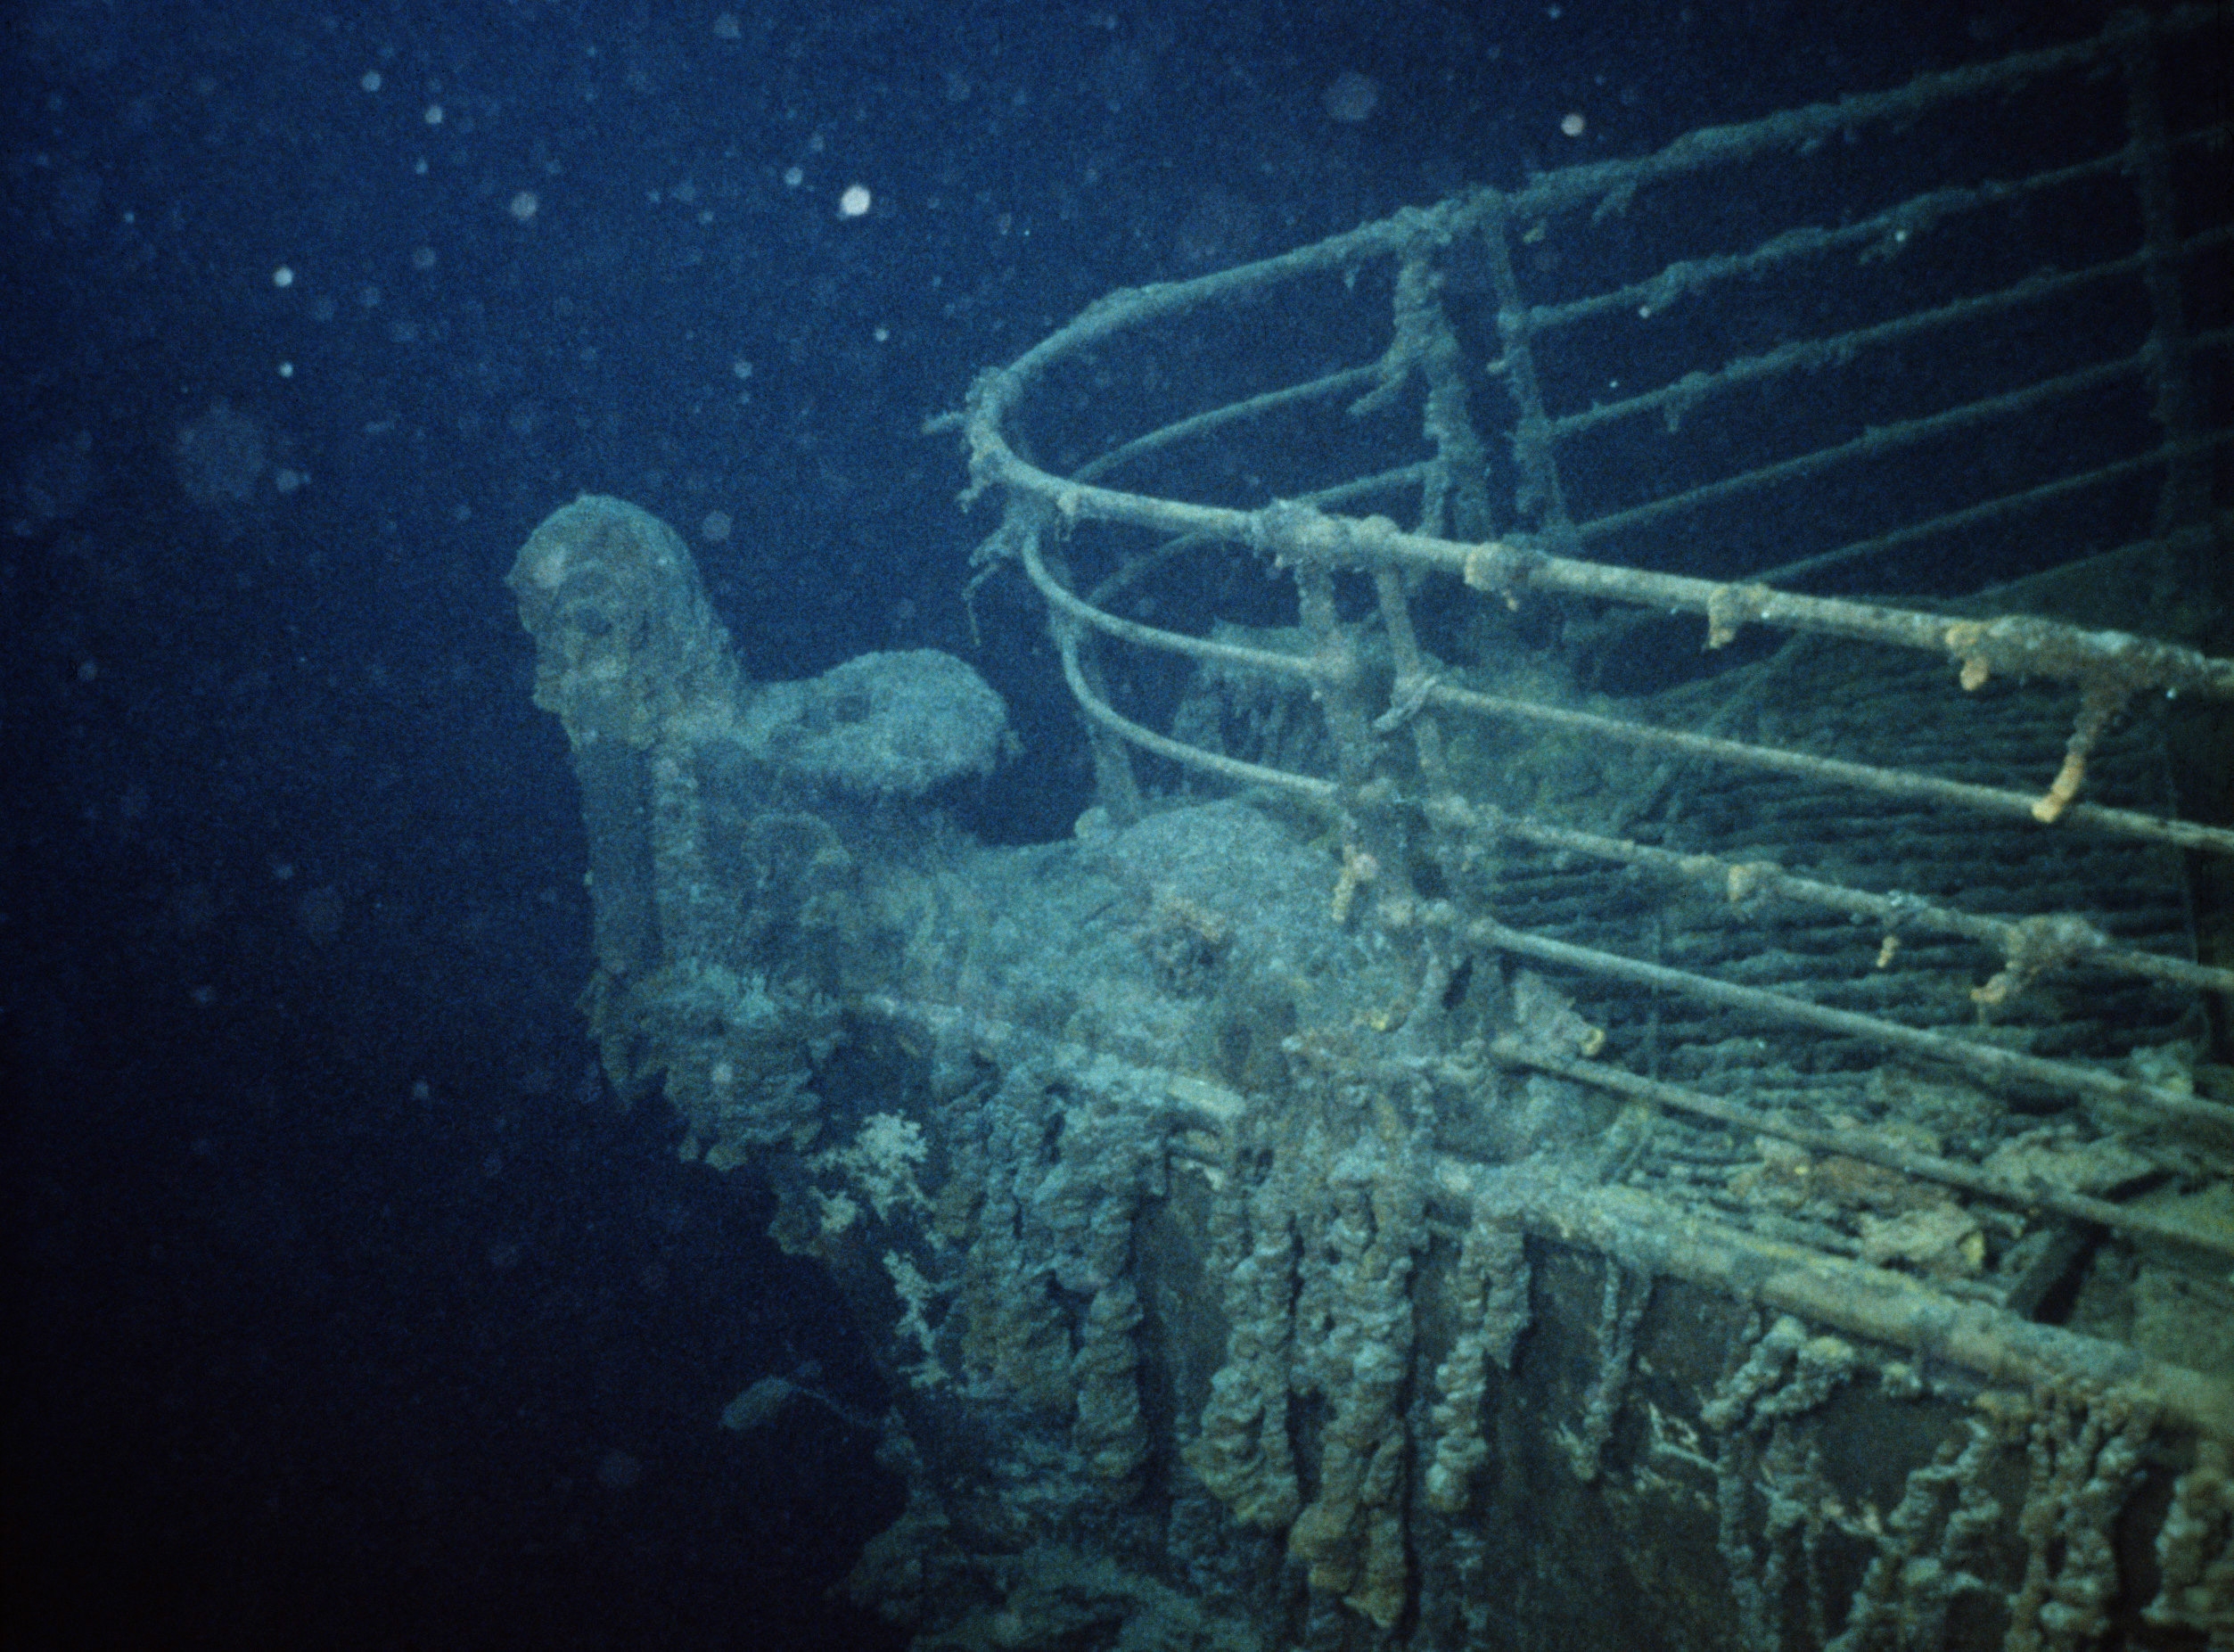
(1592, 1079)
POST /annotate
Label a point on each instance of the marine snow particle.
(1350, 97)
